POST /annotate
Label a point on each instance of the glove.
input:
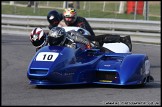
(72, 45)
(88, 46)
(95, 44)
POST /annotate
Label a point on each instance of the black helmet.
(54, 17)
(56, 36)
(38, 37)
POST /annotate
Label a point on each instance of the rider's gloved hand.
(95, 44)
(88, 46)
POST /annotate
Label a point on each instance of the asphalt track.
(17, 52)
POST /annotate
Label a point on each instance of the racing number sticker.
(47, 56)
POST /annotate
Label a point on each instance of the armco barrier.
(139, 30)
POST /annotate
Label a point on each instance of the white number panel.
(47, 56)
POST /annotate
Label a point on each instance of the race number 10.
(46, 56)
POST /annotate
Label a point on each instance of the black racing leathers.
(71, 38)
(74, 37)
(77, 37)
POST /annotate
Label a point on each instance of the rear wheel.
(144, 82)
(150, 79)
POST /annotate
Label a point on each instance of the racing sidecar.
(57, 65)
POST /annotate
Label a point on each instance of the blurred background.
(136, 10)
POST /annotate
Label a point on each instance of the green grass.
(93, 10)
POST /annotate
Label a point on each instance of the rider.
(70, 18)
(57, 36)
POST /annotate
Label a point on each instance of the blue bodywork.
(79, 66)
